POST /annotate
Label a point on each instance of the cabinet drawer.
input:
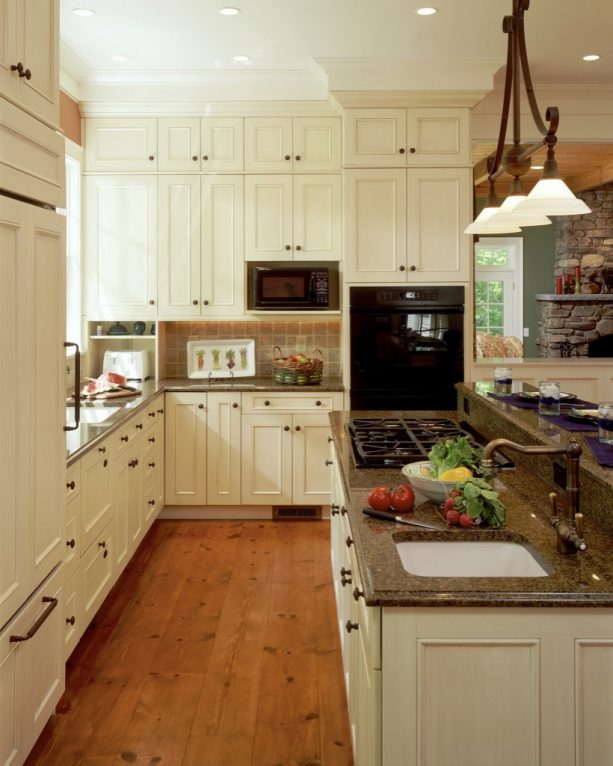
(125, 436)
(97, 572)
(73, 480)
(96, 500)
(73, 619)
(152, 460)
(292, 402)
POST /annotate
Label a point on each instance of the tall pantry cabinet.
(32, 326)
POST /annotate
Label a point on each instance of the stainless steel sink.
(468, 558)
(91, 415)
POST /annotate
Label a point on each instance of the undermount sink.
(468, 558)
(92, 415)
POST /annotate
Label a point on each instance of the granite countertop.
(580, 580)
(85, 437)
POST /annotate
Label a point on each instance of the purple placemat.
(563, 421)
(531, 404)
(602, 452)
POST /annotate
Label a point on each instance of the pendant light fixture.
(550, 196)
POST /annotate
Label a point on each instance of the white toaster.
(134, 365)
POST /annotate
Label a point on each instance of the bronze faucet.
(569, 530)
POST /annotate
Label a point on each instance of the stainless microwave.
(290, 287)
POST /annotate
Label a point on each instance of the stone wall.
(568, 324)
(587, 241)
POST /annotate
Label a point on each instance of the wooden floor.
(217, 647)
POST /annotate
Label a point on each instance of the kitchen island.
(462, 671)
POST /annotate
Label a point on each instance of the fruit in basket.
(380, 498)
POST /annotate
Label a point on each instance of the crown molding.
(202, 108)
(404, 98)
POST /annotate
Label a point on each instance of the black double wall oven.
(407, 346)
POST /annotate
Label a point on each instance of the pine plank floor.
(218, 646)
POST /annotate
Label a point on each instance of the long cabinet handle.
(38, 624)
(77, 384)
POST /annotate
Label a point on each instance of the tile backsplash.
(291, 336)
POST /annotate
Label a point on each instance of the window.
(73, 243)
(498, 286)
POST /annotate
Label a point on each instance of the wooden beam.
(590, 179)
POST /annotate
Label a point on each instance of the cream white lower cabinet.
(31, 670)
(96, 492)
(185, 447)
(285, 447)
(97, 572)
(224, 448)
(127, 479)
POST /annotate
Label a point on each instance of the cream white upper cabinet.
(29, 56)
(122, 144)
(221, 142)
(293, 218)
(407, 225)
(285, 144)
(32, 413)
(213, 144)
(121, 246)
(200, 245)
(375, 225)
(406, 137)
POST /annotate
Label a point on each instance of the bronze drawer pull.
(38, 624)
(71, 543)
(349, 626)
(70, 484)
(70, 620)
(357, 593)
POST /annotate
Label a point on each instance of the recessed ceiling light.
(83, 12)
(119, 58)
(591, 57)
(536, 167)
(229, 11)
(426, 11)
(242, 59)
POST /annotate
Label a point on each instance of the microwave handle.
(77, 384)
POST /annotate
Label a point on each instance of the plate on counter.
(221, 358)
(533, 396)
(583, 416)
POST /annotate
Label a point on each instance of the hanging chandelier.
(550, 196)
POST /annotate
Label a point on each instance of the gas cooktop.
(394, 442)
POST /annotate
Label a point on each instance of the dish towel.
(602, 452)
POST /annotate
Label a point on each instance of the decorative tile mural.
(288, 335)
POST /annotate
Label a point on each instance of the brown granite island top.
(574, 581)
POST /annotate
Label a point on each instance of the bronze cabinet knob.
(286, 428)
(205, 156)
(288, 247)
(402, 268)
(235, 404)
(298, 247)
(401, 151)
(298, 157)
(151, 302)
(71, 543)
(70, 484)
(195, 157)
(412, 268)
(151, 158)
(70, 620)
(287, 157)
(298, 428)
(201, 406)
(351, 626)
(412, 150)
(205, 303)
(195, 302)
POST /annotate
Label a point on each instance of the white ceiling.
(335, 44)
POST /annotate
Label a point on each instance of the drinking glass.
(503, 378)
(605, 422)
(549, 397)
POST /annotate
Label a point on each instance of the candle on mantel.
(559, 285)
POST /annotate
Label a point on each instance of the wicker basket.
(297, 373)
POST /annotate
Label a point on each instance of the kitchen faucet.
(569, 530)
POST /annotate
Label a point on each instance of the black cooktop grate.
(394, 442)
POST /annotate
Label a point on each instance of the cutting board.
(119, 394)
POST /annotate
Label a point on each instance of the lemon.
(456, 474)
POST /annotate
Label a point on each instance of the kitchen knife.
(399, 519)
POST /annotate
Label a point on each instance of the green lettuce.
(454, 453)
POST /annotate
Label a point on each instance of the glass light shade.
(482, 225)
(551, 196)
(507, 214)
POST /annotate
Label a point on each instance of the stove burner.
(394, 442)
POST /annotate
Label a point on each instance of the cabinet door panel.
(96, 495)
(224, 449)
(41, 57)
(317, 143)
(179, 245)
(179, 144)
(317, 218)
(268, 144)
(121, 144)
(185, 462)
(311, 449)
(375, 225)
(268, 218)
(438, 137)
(97, 572)
(222, 246)
(121, 215)
(374, 137)
(267, 459)
(222, 144)
(438, 211)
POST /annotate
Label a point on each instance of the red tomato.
(403, 498)
(380, 498)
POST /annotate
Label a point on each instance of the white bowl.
(434, 489)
